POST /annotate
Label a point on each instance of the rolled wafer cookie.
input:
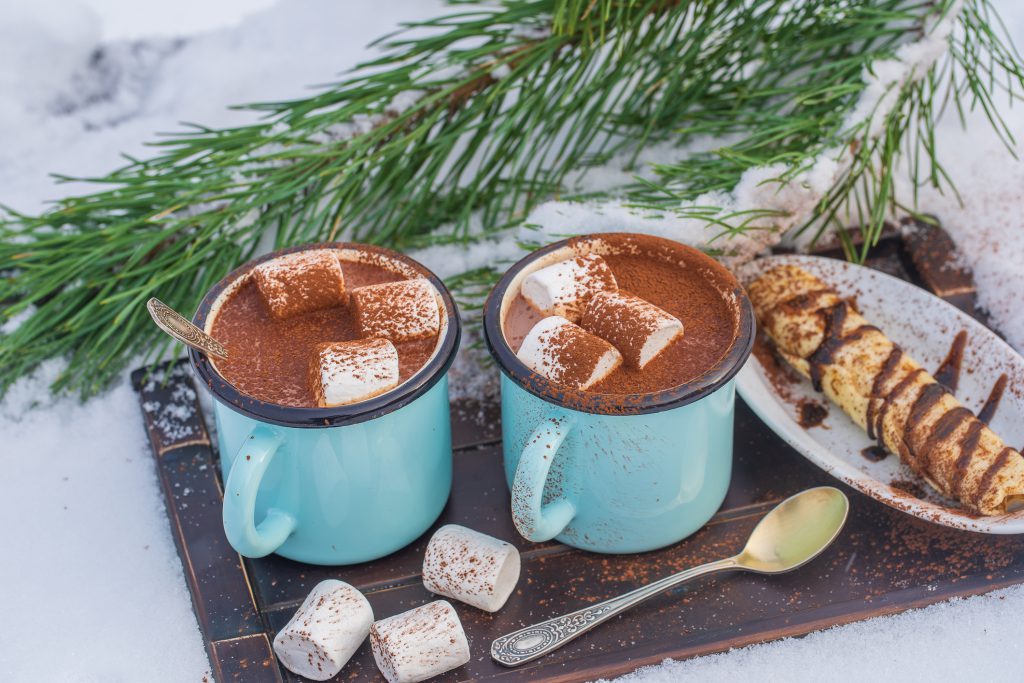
(470, 567)
(886, 392)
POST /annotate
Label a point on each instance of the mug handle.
(240, 490)
(534, 521)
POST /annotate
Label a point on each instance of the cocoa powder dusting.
(809, 412)
(270, 357)
(575, 355)
(687, 290)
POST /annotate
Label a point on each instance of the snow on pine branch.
(767, 200)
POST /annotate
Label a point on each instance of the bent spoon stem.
(533, 642)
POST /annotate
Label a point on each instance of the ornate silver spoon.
(182, 329)
(792, 534)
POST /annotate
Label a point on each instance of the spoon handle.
(532, 642)
(182, 329)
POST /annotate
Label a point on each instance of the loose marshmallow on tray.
(329, 627)
(346, 372)
(567, 354)
(301, 282)
(399, 311)
(638, 329)
(564, 287)
(470, 567)
(419, 644)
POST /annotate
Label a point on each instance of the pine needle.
(473, 118)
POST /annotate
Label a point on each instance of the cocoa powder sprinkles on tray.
(679, 284)
(270, 357)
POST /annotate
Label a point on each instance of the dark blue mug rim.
(290, 416)
(617, 404)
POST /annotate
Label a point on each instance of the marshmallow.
(567, 354)
(564, 287)
(419, 644)
(470, 567)
(329, 627)
(347, 372)
(301, 282)
(399, 311)
(638, 329)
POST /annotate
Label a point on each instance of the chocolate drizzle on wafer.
(941, 440)
(834, 339)
(988, 410)
(892, 362)
(991, 472)
(948, 374)
(917, 451)
(874, 453)
(968, 444)
(884, 402)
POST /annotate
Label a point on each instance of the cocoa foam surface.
(684, 288)
(269, 358)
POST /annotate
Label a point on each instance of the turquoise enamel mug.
(334, 486)
(616, 474)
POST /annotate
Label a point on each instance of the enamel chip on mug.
(638, 329)
(301, 282)
(352, 371)
(419, 644)
(470, 567)
(399, 311)
(564, 287)
(567, 354)
(325, 632)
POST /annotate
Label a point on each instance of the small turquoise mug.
(619, 474)
(341, 485)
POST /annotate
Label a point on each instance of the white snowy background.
(91, 588)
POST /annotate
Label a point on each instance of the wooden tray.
(884, 562)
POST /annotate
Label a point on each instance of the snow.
(93, 588)
(970, 639)
(88, 557)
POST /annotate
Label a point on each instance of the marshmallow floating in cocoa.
(470, 567)
(567, 354)
(638, 329)
(329, 627)
(399, 311)
(419, 644)
(346, 372)
(301, 282)
(563, 288)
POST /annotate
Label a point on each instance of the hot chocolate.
(671, 316)
(285, 323)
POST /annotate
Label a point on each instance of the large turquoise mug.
(334, 485)
(615, 474)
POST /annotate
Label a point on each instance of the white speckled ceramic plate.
(925, 327)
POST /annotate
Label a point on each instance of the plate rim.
(748, 384)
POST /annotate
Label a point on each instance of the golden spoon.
(792, 534)
(182, 329)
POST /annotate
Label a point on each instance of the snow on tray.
(175, 420)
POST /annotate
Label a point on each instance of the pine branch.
(473, 118)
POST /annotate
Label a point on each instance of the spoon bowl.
(795, 531)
